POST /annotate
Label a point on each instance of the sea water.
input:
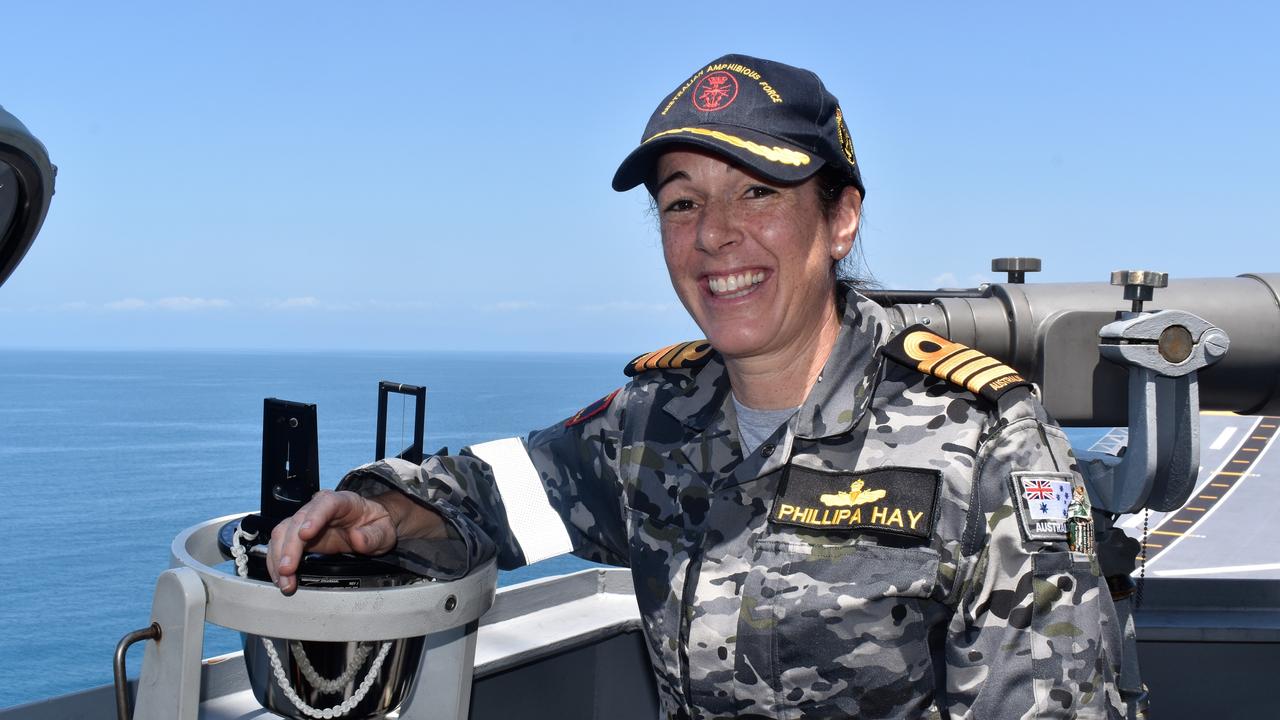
(106, 456)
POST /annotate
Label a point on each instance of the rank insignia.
(895, 500)
(917, 347)
(683, 355)
(1042, 501)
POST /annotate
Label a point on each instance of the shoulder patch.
(1042, 501)
(592, 410)
(680, 356)
(918, 348)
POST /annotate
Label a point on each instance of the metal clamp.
(1171, 343)
(1163, 350)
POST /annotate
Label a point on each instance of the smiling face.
(752, 261)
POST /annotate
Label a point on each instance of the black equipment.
(26, 187)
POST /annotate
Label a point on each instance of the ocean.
(106, 456)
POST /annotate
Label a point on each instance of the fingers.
(291, 538)
(331, 522)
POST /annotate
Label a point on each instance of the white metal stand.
(194, 592)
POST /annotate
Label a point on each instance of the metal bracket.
(413, 453)
(1163, 351)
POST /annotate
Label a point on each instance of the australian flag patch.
(1041, 499)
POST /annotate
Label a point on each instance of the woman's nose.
(717, 228)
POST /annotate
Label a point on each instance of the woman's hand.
(344, 522)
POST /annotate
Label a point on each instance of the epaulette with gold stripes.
(918, 348)
(680, 356)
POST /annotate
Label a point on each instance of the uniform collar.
(704, 398)
(848, 380)
(839, 398)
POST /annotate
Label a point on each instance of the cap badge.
(846, 142)
(715, 91)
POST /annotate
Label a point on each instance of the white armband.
(534, 523)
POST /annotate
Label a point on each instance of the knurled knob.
(1141, 278)
(1017, 267)
(1139, 285)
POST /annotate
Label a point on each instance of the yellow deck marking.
(1261, 444)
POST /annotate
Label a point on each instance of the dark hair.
(830, 187)
(852, 269)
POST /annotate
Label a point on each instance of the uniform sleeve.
(523, 500)
(1033, 634)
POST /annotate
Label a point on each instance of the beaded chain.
(241, 555)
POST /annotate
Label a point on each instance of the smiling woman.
(754, 264)
(817, 523)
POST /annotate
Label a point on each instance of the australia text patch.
(896, 500)
(1041, 499)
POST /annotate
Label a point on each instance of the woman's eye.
(681, 205)
(759, 191)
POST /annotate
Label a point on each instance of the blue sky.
(305, 175)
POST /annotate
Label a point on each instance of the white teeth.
(735, 285)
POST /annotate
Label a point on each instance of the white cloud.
(310, 302)
(180, 303)
(191, 303)
(949, 280)
(126, 304)
(946, 280)
(294, 302)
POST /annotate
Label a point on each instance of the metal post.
(442, 690)
(169, 688)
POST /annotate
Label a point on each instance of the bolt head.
(1216, 343)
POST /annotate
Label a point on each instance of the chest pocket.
(839, 626)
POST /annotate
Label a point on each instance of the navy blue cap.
(777, 120)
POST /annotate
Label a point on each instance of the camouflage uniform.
(948, 609)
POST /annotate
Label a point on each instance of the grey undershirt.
(755, 426)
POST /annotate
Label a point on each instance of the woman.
(815, 524)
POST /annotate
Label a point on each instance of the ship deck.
(570, 646)
(1226, 529)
